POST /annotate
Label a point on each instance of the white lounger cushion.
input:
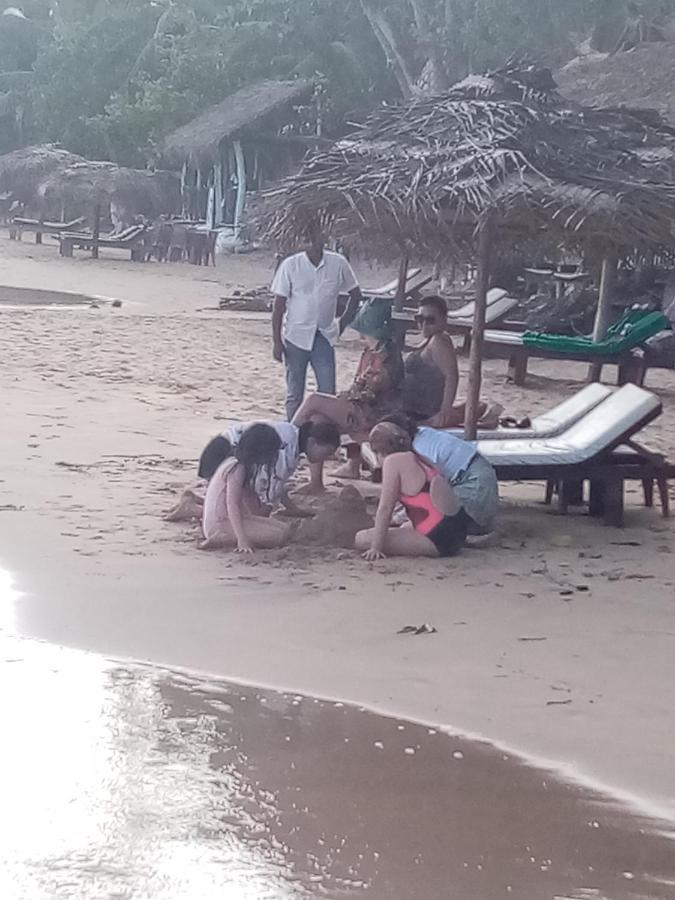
(598, 430)
(496, 310)
(512, 338)
(552, 423)
(494, 295)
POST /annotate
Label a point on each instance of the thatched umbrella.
(21, 171)
(497, 158)
(80, 187)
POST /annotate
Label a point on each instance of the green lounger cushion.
(632, 329)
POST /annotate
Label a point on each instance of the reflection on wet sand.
(127, 782)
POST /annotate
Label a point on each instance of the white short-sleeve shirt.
(311, 294)
(287, 461)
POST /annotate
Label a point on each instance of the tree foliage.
(108, 78)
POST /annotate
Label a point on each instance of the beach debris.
(568, 592)
(255, 300)
(11, 507)
(426, 628)
(558, 702)
(458, 754)
(116, 304)
(532, 639)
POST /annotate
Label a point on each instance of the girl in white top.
(233, 512)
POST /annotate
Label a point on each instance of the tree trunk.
(438, 81)
(387, 41)
(476, 356)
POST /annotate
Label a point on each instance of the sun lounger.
(413, 285)
(588, 453)
(552, 423)
(19, 224)
(620, 348)
(130, 239)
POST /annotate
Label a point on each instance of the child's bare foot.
(190, 506)
(491, 418)
(217, 542)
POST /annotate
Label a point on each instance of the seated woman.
(318, 441)
(234, 514)
(373, 394)
(469, 474)
(439, 523)
(439, 349)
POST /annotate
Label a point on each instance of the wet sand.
(557, 642)
(130, 782)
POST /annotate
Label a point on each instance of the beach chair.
(39, 227)
(598, 451)
(619, 348)
(130, 239)
(551, 423)
(414, 283)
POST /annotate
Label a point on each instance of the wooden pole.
(399, 299)
(476, 356)
(96, 230)
(603, 316)
(398, 327)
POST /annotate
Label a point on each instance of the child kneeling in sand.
(234, 514)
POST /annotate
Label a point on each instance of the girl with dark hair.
(317, 441)
(234, 515)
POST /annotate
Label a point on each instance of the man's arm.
(347, 317)
(277, 322)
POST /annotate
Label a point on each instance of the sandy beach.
(558, 642)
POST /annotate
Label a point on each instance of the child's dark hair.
(216, 451)
(325, 433)
(257, 451)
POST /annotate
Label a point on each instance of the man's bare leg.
(352, 468)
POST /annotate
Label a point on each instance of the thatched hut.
(498, 159)
(253, 136)
(22, 171)
(641, 78)
(121, 193)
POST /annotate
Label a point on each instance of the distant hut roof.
(21, 171)
(428, 171)
(140, 191)
(249, 107)
(642, 78)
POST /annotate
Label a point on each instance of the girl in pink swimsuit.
(438, 524)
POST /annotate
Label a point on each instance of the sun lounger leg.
(648, 491)
(662, 484)
(517, 371)
(551, 485)
(596, 504)
(66, 248)
(614, 502)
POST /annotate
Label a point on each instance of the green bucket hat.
(373, 318)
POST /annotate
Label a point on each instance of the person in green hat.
(374, 393)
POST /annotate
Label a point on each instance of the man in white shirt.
(305, 327)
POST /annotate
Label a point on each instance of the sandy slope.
(104, 413)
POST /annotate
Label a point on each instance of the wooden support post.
(603, 316)
(399, 327)
(96, 230)
(476, 355)
(399, 300)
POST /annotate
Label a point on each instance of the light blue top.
(449, 454)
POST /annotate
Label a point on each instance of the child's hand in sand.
(372, 555)
(243, 548)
